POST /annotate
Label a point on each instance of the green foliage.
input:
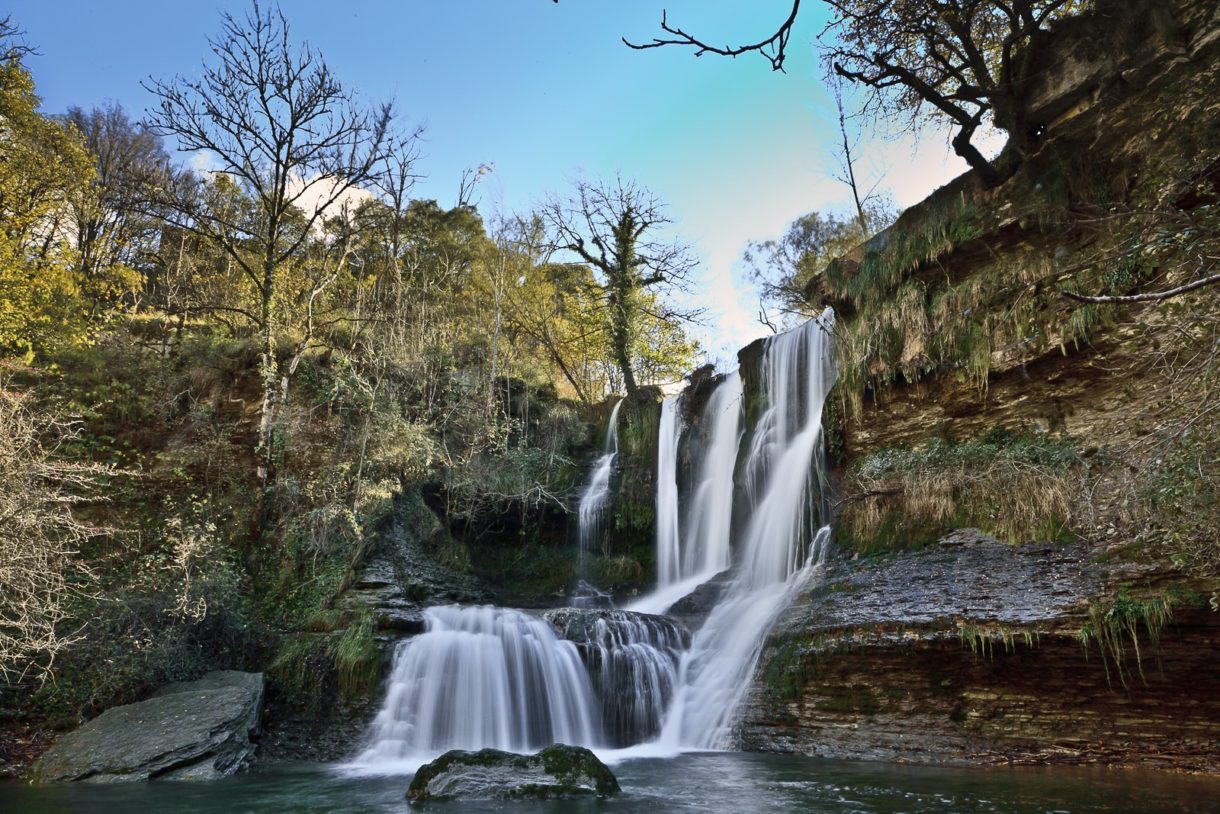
(1115, 624)
(1053, 452)
(357, 658)
(42, 163)
(408, 348)
(965, 281)
(919, 236)
(982, 640)
(303, 670)
(793, 267)
(1179, 496)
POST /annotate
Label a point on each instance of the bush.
(1016, 487)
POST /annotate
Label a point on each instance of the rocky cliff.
(978, 389)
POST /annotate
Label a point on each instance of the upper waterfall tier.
(785, 481)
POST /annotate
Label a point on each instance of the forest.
(264, 409)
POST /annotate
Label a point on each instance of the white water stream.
(485, 676)
(480, 677)
(597, 493)
(694, 545)
(785, 472)
(669, 542)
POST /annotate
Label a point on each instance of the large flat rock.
(194, 730)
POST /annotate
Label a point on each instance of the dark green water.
(724, 782)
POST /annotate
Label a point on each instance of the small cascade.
(586, 596)
(709, 518)
(481, 677)
(784, 537)
(632, 660)
(669, 553)
(597, 493)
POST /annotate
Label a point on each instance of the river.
(707, 782)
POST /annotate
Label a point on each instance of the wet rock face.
(555, 772)
(694, 608)
(400, 577)
(632, 659)
(588, 596)
(930, 698)
(970, 652)
(967, 575)
(194, 730)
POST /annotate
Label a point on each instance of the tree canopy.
(617, 228)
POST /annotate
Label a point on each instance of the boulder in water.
(490, 774)
(191, 730)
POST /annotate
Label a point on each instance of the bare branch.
(1158, 296)
(773, 48)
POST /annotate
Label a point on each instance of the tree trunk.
(963, 147)
(621, 324)
(269, 376)
(623, 358)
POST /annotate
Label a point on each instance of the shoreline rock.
(192, 730)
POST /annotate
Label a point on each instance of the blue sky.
(544, 93)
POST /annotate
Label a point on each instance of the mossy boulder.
(490, 774)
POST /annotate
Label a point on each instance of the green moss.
(570, 766)
(568, 763)
(787, 668)
(1119, 622)
(302, 670)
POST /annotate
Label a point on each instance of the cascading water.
(481, 677)
(786, 480)
(485, 676)
(690, 553)
(709, 519)
(597, 493)
(669, 432)
(632, 660)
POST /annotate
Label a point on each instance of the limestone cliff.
(977, 390)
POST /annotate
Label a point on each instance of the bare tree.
(970, 61)
(112, 226)
(41, 569)
(275, 120)
(847, 163)
(613, 227)
(13, 47)
(773, 48)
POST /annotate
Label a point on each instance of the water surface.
(710, 782)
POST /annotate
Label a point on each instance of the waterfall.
(703, 548)
(480, 677)
(669, 432)
(597, 493)
(632, 660)
(709, 519)
(785, 479)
